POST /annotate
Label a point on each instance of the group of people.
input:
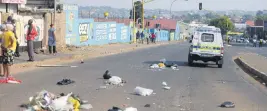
(10, 45)
(141, 36)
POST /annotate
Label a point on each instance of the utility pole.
(55, 10)
(143, 14)
(134, 37)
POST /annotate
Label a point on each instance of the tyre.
(190, 60)
(220, 65)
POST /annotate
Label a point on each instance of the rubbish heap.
(163, 64)
(113, 80)
(46, 101)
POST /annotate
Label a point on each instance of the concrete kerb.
(252, 70)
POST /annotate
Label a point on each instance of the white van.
(207, 45)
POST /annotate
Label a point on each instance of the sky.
(180, 5)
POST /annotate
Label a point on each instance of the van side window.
(205, 37)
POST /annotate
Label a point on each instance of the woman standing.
(31, 34)
(52, 40)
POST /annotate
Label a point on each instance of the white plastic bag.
(154, 66)
(61, 103)
(142, 91)
(130, 109)
(86, 106)
(115, 80)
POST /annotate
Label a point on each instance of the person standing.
(142, 37)
(137, 36)
(8, 47)
(52, 40)
(153, 38)
(31, 34)
(14, 31)
(3, 28)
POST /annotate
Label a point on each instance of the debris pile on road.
(113, 80)
(143, 91)
(47, 101)
(227, 104)
(163, 64)
(65, 82)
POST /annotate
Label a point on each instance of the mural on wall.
(101, 31)
(85, 31)
(112, 31)
(71, 26)
(124, 32)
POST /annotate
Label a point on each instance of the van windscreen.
(205, 37)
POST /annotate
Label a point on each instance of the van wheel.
(190, 60)
(220, 65)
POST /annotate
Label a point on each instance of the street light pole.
(171, 8)
(143, 15)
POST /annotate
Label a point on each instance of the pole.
(143, 15)
(55, 10)
(134, 37)
(171, 8)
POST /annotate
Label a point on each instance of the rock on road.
(198, 88)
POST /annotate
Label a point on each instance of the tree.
(261, 17)
(224, 23)
(247, 17)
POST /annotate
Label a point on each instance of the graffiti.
(101, 32)
(124, 32)
(112, 32)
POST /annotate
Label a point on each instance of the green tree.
(224, 23)
(261, 17)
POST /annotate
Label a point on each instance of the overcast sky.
(181, 4)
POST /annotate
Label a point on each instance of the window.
(207, 37)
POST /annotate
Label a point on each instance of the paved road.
(199, 88)
(248, 48)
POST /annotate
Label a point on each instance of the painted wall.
(71, 12)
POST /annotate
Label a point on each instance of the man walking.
(142, 37)
(31, 34)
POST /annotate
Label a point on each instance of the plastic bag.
(143, 91)
(115, 80)
(86, 106)
(154, 66)
(61, 103)
(130, 109)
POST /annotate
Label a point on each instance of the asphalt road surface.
(198, 88)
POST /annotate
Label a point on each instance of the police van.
(206, 45)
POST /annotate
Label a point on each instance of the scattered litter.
(263, 83)
(11, 81)
(55, 66)
(46, 101)
(142, 91)
(130, 109)
(115, 80)
(229, 45)
(154, 93)
(107, 75)
(82, 61)
(147, 105)
(167, 88)
(161, 65)
(174, 68)
(154, 66)
(115, 109)
(128, 98)
(228, 104)
(103, 87)
(164, 84)
(65, 82)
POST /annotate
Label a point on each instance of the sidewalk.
(255, 64)
(257, 61)
(72, 54)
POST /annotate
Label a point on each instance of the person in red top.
(153, 36)
(31, 34)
